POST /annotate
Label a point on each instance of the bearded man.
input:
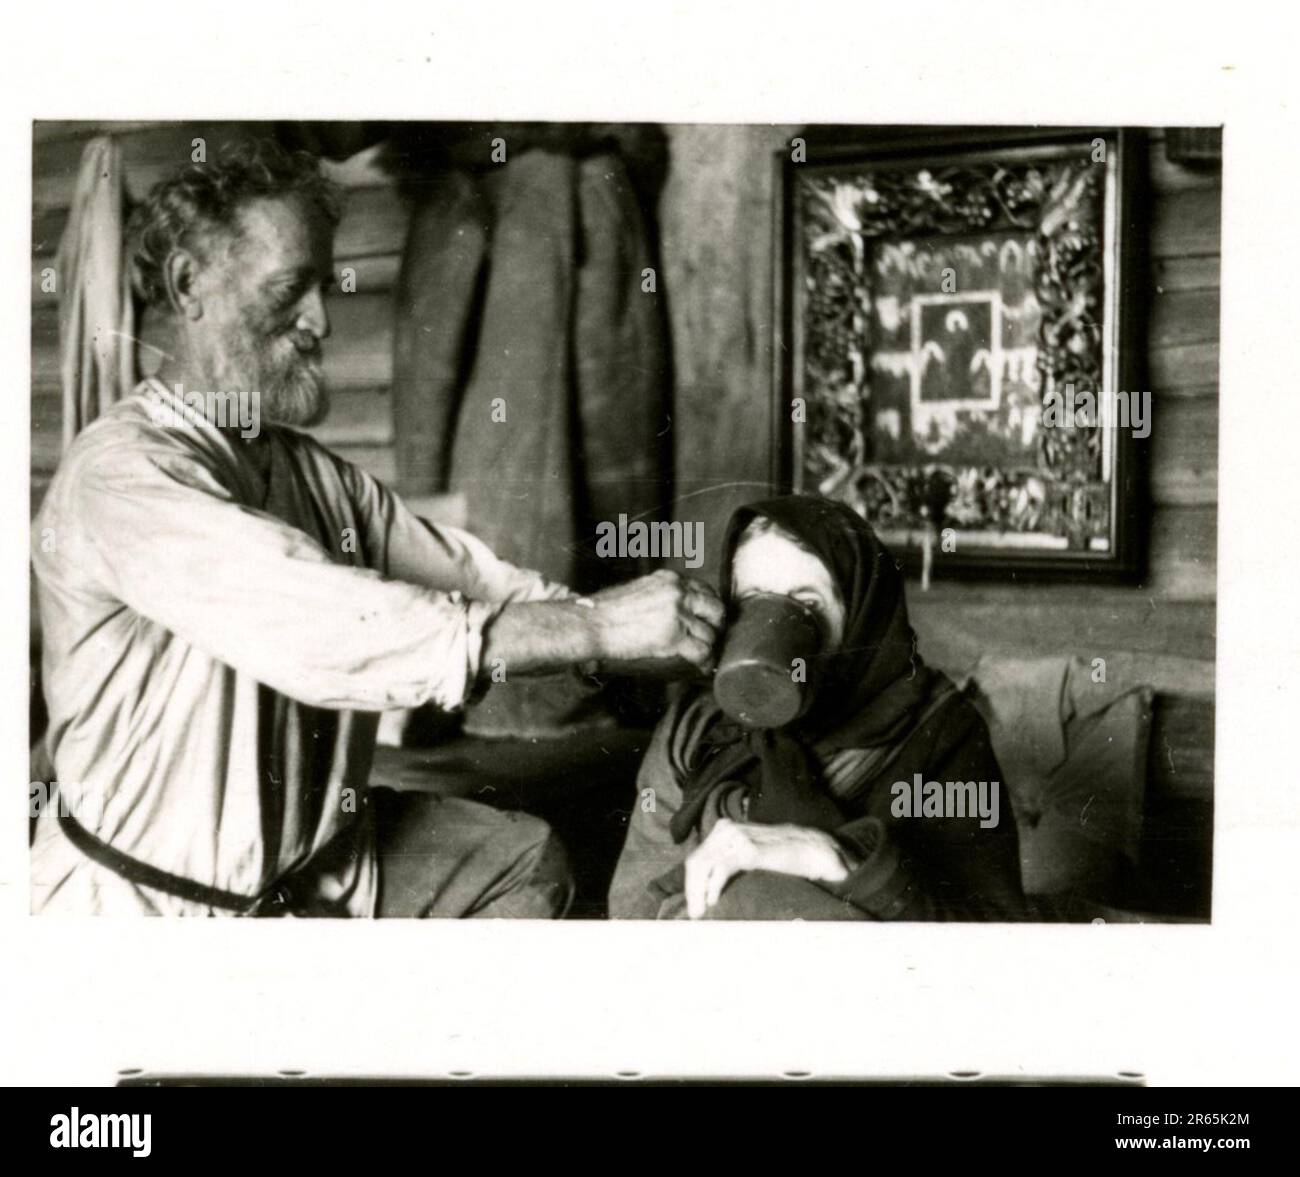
(226, 610)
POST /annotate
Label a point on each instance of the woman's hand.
(732, 847)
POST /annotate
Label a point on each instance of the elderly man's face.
(264, 313)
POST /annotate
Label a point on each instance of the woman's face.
(770, 560)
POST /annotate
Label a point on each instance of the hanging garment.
(530, 375)
(446, 251)
(96, 311)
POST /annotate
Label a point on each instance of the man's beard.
(288, 384)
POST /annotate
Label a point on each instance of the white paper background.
(81, 999)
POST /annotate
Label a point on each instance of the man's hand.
(655, 624)
(657, 619)
(732, 847)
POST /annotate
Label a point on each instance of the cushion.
(1073, 752)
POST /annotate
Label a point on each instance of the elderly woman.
(751, 813)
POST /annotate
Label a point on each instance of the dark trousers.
(445, 857)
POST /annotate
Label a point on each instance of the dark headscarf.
(869, 690)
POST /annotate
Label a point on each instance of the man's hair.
(202, 202)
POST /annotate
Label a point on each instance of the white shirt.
(216, 648)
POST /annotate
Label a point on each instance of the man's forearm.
(661, 619)
(536, 636)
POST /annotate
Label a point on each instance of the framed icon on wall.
(957, 345)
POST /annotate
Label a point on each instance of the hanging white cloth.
(97, 360)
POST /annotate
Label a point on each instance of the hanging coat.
(531, 372)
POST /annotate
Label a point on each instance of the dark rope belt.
(276, 900)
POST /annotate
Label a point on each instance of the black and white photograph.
(626, 536)
(387, 561)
